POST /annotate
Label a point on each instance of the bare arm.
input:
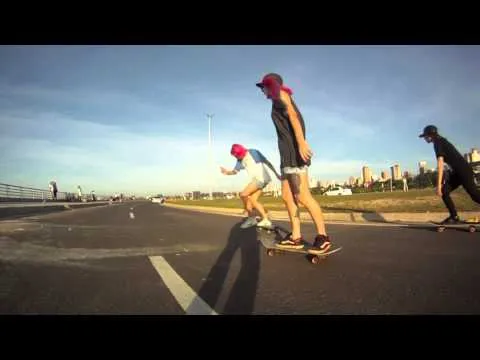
(303, 146)
(292, 114)
(440, 164)
(228, 172)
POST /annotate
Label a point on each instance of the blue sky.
(133, 118)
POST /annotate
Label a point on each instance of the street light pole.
(392, 172)
(210, 116)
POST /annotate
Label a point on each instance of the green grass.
(397, 201)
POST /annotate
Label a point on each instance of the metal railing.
(20, 193)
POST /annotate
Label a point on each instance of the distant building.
(218, 194)
(351, 181)
(366, 174)
(384, 176)
(196, 195)
(474, 155)
(396, 173)
(421, 167)
(330, 183)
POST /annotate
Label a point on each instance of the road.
(171, 261)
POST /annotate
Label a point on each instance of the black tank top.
(287, 142)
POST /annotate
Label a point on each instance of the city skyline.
(366, 171)
(132, 119)
(351, 180)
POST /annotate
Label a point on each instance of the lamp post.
(391, 178)
(210, 116)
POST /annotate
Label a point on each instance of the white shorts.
(260, 183)
(294, 170)
(262, 179)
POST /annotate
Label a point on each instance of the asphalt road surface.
(160, 260)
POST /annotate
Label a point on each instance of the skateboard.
(471, 226)
(270, 244)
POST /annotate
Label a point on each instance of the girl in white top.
(258, 169)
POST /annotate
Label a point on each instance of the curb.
(341, 217)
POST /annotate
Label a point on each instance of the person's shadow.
(241, 299)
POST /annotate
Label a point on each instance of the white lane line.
(190, 302)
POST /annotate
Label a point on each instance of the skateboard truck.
(471, 226)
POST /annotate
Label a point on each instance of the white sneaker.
(265, 223)
(249, 222)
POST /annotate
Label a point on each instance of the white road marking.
(190, 302)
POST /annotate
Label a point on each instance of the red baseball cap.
(238, 151)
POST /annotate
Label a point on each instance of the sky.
(132, 119)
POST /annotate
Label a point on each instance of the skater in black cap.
(461, 172)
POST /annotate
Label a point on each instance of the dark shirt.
(451, 156)
(287, 142)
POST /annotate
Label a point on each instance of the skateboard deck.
(470, 226)
(271, 245)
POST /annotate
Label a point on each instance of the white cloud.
(110, 158)
(110, 101)
(106, 158)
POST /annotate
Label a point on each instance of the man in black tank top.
(461, 172)
(295, 155)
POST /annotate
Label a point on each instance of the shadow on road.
(241, 299)
(367, 215)
(373, 217)
(433, 228)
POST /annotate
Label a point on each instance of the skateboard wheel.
(472, 229)
(315, 260)
(440, 229)
(270, 252)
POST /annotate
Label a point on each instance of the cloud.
(110, 157)
(136, 133)
(96, 105)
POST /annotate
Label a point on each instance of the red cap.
(274, 83)
(238, 151)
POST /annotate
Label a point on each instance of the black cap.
(429, 130)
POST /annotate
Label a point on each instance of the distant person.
(257, 167)
(53, 189)
(79, 190)
(461, 172)
(295, 158)
(405, 185)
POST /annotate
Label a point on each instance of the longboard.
(271, 245)
(471, 226)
